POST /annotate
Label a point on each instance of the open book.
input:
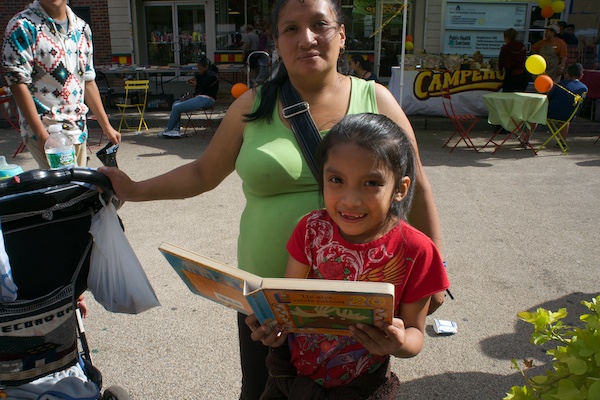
(299, 305)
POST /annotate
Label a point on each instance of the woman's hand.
(275, 338)
(121, 183)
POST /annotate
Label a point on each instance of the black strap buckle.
(295, 109)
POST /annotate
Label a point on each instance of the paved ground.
(520, 232)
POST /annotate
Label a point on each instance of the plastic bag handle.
(41, 178)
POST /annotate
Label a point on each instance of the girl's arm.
(296, 269)
(403, 338)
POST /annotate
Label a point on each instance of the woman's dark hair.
(364, 64)
(205, 62)
(382, 137)
(269, 91)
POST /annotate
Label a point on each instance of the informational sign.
(487, 43)
(499, 16)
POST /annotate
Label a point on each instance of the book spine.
(261, 308)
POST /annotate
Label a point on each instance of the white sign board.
(467, 42)
(499, 16)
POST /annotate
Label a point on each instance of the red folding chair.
(208, 113)
(462, 123)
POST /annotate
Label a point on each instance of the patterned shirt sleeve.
(17, 52)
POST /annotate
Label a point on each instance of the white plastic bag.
(8, 289)
(116, 278)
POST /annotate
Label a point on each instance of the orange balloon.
(547, 12)
(409, 38)
(238, 89)
(543, 83)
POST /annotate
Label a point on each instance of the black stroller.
(45, 218)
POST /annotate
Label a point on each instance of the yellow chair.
(555, 126)
(136, 96)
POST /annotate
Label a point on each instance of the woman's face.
(310, 37)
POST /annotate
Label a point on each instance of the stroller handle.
(41, 178)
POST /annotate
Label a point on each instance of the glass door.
(175, 32)
(537, 23)
(391, 36)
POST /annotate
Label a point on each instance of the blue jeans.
(180, 107)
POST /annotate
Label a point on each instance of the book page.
(332, 310)
(210, 279)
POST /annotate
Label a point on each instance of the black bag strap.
(297, 112)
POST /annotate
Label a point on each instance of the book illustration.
(298, 312)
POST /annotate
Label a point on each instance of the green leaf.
(594, 391)
(576, 366)
(520, 393)
(567, 391)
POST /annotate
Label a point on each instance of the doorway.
(175, 32)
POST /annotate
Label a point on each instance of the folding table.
(514, 112)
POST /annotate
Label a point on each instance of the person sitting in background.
(560, 98)
(362, 68)
(206, 83)
(512, 60)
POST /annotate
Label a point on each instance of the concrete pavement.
(520, 232)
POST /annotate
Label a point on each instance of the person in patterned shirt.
(48, 62)
(367, 166)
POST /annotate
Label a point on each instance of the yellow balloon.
(409, 45)
(544, 3)
(558, 6)
(535, 64)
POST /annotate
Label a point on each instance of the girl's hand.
(275, 338)
(383, 339)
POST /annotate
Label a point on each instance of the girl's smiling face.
(309, 36)
(358, 191)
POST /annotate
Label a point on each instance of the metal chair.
(462, 123)
(208, 113)
(555, 126)
(136, 97)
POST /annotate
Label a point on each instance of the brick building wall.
(98, 13)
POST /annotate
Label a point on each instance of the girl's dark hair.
(269, 91)
(364, 64)
(382, 137)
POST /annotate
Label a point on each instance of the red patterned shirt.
(404, 256)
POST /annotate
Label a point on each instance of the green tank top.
(279, 186)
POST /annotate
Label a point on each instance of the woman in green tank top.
(257, 142)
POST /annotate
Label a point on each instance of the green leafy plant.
(575, 360)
